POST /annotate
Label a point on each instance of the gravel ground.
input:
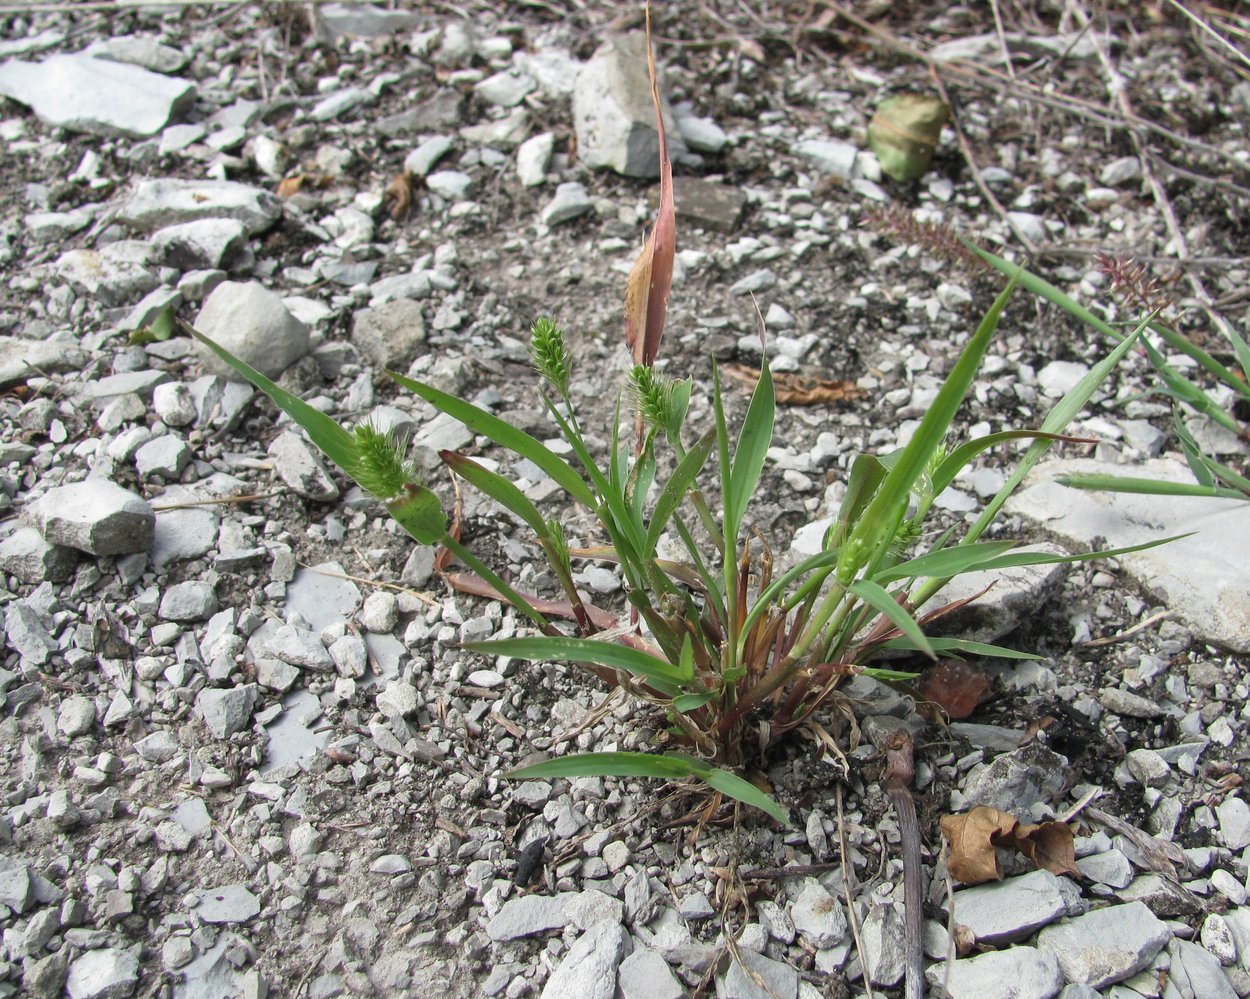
(245, 753)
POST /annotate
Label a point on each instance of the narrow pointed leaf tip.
(651, 279)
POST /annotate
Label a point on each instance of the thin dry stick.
(982, 186)
(1002, 39)
(846, 890)
(988, 77)
(899, 769)
(427, 600)
(1118, 91)
(1128, 633)
(1211, 31)
(217, 501)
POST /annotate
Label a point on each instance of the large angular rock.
(613, 113)
(1106, 946)
(588, 971)
(116, 274)
(1015, 973)
(252, 323)
(107, 973)
(1010, 910)
(390, 335)
(159, 203)
(84, 94)
(27, 555)
(226, 711)
(1204, 579)
(201, 244)
(95, 516)
(1014, 596)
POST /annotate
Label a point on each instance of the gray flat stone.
(95, 516)
(301, 647)
(1196, 974)
(21, 358)
(193, 600)
(884, 955)
(202, 243)
(780, 980)
(527, 916)
(589, 969)
(1017, 780)
(1010, 910)
(110, 274)
(166, 202)
(1111, 868)
(107, 973)
(1015, 973)
(829, 156)
(321, 597)
(1106, 946)
(818, 915)
(1204, 579)
(391, 335)
(227, 904)
(99, 96)
(646, 975)
(569, 202)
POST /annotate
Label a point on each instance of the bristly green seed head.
(381, 468)
(550, 355)
(559, 543)
(657, 398)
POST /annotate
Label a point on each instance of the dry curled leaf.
(799, 390)
(976, 835)
(399, 194)
(651, 278)
(290, 186)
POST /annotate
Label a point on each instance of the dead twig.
(852, 916)
(899, 770)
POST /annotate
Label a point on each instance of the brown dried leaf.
(956, 685)
(972, 858)
(651, 278)
(799, 390)
(288, 187)
(974, 836)
(399, 194)
(1048, 845)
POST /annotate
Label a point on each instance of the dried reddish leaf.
(1048, 845)
(288, 187)
(956, 685)
(651, 278)
(799, 390)
(974, 836)
(399, 194)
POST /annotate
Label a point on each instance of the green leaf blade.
(664, 766)
(505, 435)
(610, 654)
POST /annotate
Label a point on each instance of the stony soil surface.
(244, 752)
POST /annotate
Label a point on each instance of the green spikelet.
(559, 545)
(550, 354)
(381, 468)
